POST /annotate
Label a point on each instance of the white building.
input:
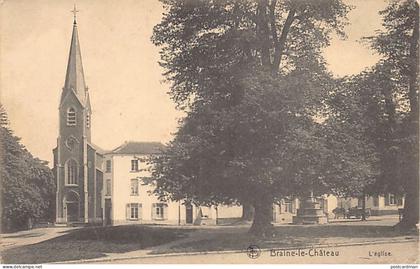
(127, 199)
(386, 204)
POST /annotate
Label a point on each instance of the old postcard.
(209, 131)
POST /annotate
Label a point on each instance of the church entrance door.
(72, 212)
(71, 207)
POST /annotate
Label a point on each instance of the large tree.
(27, 184)
(398, 44)
(251, 78)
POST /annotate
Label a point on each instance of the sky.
(128, 95)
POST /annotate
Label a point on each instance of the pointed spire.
(75, 79)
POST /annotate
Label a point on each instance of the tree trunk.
(247, 212)
(411, 206)
(414, 67)
(261, 226)
(263, 32)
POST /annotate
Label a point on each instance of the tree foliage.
(27, 184)
(252, 79)
(205, 44)
(395, 84)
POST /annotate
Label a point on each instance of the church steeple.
(75, 79)
(76, 164)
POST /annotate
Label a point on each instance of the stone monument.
(310, 212)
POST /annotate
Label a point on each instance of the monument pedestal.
(310, 213)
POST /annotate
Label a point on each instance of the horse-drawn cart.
(357, 212)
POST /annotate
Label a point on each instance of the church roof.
(75, 79)
(97, 148)
(131, 147)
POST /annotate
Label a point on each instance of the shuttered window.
(134, 211)
(159, 211)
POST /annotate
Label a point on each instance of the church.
(77, 162)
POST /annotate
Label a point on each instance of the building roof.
(75, 79)
(97, 148)
(132, 147)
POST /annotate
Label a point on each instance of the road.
(389, 253)
(34, 236)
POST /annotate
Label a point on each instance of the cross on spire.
(74, 11)
(74, 76)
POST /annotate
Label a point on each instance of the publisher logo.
(253, 251)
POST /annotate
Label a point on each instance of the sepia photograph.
(221, 132)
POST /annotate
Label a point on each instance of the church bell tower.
(75, 157)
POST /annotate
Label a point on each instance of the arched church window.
(72, 172)
(71, 117)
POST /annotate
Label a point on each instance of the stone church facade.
(77, 162)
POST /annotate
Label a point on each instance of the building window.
(71, 172)
(88, 120)
(108, 166)
(288, 207)
(108, 187)
(159, 211)
(134, 211)
(134, 165)
(134, 184)
(376, 201)
(392, 200)
(71, 117)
